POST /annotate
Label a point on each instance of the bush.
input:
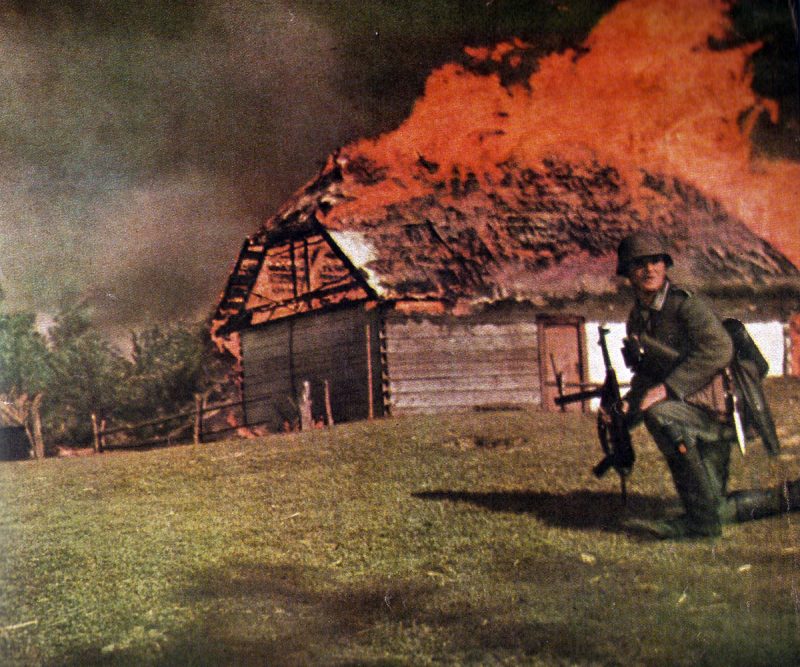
(80, 373)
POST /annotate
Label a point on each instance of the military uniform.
(691, 427)
(695, 442)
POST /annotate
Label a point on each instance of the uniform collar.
(658, 302)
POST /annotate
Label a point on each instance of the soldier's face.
(647, 275)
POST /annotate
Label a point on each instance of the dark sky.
(141, 141)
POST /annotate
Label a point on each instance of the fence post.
(328, 410)
(36, 427)
(370, 399)
(95, 433)
(306, 420)
(198, 418)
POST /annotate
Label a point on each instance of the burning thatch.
(530, 235)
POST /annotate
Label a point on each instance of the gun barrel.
(578, 396)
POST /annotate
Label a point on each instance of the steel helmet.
(640, 244)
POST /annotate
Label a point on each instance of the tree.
(79, 373)
(24, 355)
(24, 374)
(167, 370)
(88, 375)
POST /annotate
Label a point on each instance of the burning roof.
(534, 235)
(495, 189)
(547, 233)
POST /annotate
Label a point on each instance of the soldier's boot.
(699, 494)
(755, 504)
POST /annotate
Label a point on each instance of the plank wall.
(279, 357)
(442, 367)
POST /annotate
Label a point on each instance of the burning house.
(470, 297)
(465, 259)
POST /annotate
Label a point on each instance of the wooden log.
(103, 435)
(149, 422)
(36, 427)
(95, 433)
(328, 409)
(304, 405)
(370, 399)
(198, 419)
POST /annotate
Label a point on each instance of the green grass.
(475, 539)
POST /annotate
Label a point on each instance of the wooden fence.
(189, 425)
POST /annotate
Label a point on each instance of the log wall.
(442, 367)
(324, 346)
(399, 363)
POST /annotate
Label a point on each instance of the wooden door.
(562, 359)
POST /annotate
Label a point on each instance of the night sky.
(141, 141)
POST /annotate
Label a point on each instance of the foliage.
(88, 376)
(24, 355)
(24, 374)
(80, 373)
(166, 372)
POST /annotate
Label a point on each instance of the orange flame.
(646, 91)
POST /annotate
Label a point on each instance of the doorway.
(562, 359)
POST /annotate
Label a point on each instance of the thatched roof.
(521, 234)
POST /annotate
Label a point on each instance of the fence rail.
(190, 431)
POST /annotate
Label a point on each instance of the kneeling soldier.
(682, 399)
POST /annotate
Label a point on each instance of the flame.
(645, 91)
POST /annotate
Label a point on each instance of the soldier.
(681, 399)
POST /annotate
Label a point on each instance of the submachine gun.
(612, 426)
(745, 404)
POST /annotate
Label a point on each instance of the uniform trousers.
(697, 448)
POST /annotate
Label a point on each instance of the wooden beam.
(328, 409)
(304, 404)
(198, 418)
(95, 433)
(370, 399)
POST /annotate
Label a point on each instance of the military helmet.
(640, 244)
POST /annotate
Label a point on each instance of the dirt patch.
(507, 443)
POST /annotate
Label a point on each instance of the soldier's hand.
(653, 395)
(622, 407)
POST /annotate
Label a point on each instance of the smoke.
(134, 162)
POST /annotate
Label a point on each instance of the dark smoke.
(134, 161)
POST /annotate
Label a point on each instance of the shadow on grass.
(255, 614)
(261, 614)
(575, 509)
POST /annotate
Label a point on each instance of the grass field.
(475, 539)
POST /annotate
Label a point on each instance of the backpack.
(748, 369)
